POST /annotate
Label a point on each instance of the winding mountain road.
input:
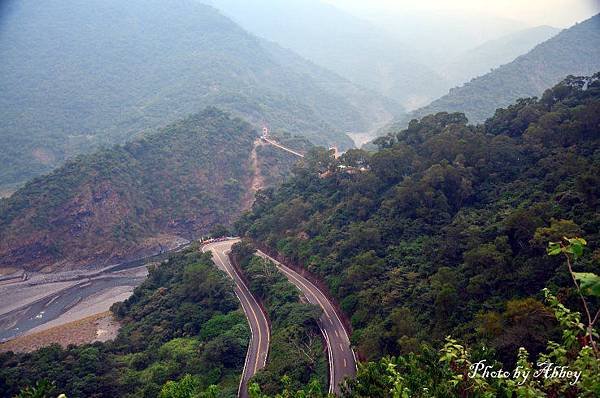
(258, 349)
(341, 358)
(342, 361)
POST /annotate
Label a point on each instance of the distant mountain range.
(439, 36)
(376, 55)
(494, 53)
(76, 75)
(574, 51)
(343, 43)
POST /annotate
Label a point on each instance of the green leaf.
(577, 250)
(589, 283)
(554, 252)
(575, 246)
(579, 241)
(553, 249)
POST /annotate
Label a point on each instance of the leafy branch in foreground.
(587, 284)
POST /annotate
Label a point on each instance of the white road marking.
(330, 359)
(327, 310)
(245, 294)
(246, 299)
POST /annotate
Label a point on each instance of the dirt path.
(257, 181)
(6, 192)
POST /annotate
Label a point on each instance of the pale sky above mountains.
(558, 13)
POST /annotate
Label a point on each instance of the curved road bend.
(258, 349)
(342, 362)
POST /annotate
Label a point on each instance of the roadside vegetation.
(445, 230)
(451, 371)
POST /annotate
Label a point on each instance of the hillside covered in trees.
(574, 51)
(132, 200)
(76, 75)
(445, 229)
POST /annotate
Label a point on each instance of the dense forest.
(444, 231)
(76, 76)
(296, 353)
(130, 200)
(574, 51)
(182, 324)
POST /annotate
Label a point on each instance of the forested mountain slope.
(445, 230)
(129, 200)
(75, 75)
(574, 51)
(353, 48)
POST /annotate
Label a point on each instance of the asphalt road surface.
(258, 349)
(342, 362)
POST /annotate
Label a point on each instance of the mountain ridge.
(445, 227)
(574, 51)
(495, 53)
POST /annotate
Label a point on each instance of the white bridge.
(265, 138)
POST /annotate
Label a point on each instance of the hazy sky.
(559, 13)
